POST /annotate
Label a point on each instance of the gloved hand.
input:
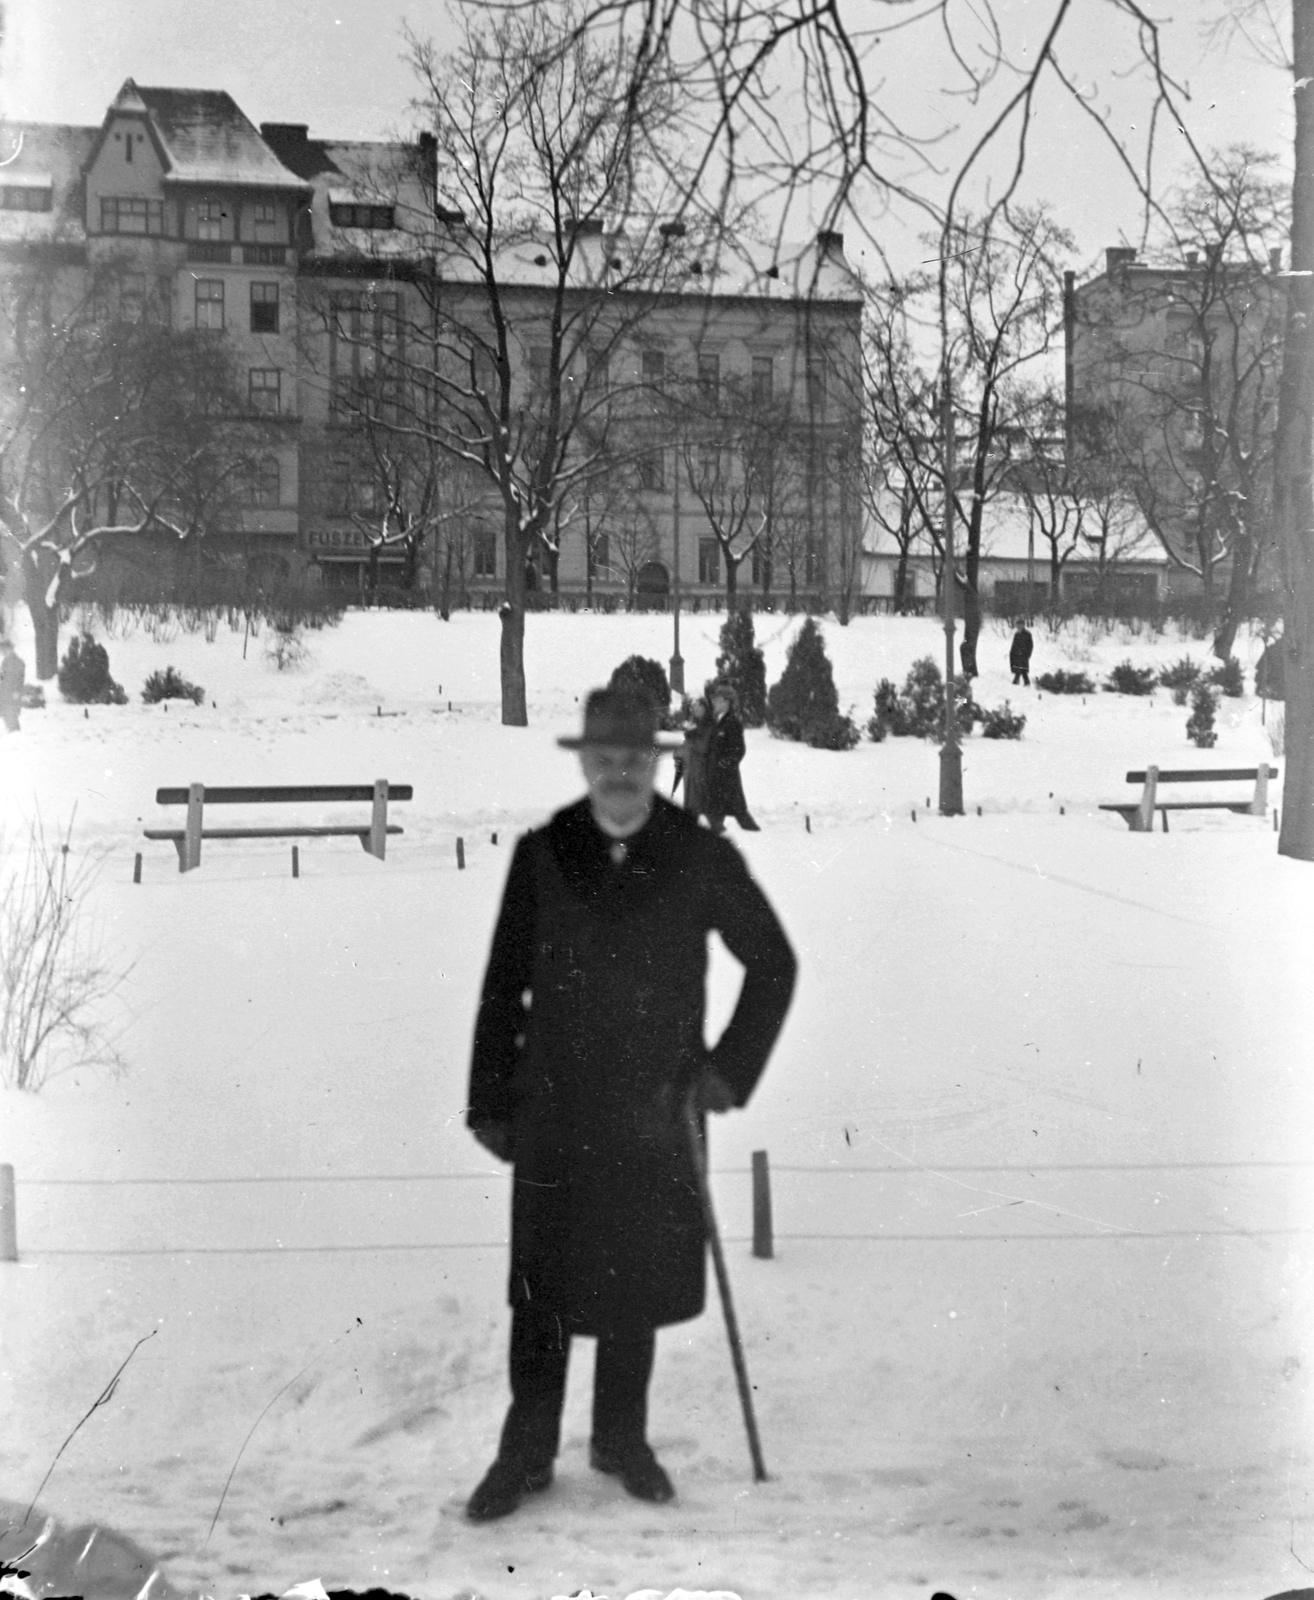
(495, 1138)
(712, 1092)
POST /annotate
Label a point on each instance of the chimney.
(1117, 258)
(1275, 260)
(673, 230)
(1192, 258)
(285, 132)
(589, 228)
(830, 243)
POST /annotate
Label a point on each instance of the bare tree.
(113, 425)
(1178, 366)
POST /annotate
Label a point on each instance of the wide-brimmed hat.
(623, 719)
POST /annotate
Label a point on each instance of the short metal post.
(460, 854)
(762, 1242)
(296, 862)
(195, 816)
(379, 819)
(8, 1215)
(136, 868)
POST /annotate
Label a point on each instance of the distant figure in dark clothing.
(12, 674)
(1019, 655)
(588, 1048)
(724, 794)
(691, 759)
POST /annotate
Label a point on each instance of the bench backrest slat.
(1217, 775)
(269, 794)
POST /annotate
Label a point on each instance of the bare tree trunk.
(731, 581)
(1236, 607)
(45, 619)
(515, 711)
(1294, 480)
(971, 597)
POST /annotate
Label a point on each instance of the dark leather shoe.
(505, 1485)
(639, 1471)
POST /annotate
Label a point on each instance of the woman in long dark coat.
(723, 794)
(1019, 655)
(588, 1040)
(691, 759)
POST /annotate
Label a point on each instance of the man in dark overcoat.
(723, 790)
(1019, 655)
(588, 1046)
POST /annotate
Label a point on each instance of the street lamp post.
(951, 754)
(677, 661)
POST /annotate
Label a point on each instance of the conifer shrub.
(1200, 724)
(917, 710)
(804, 704)
(1061, 682)
(647, 675)
(1181, 677)
(1228, 677)
(740, 664)
(1002, 722)
(170, 685)
(1129, 679)
(84, 675)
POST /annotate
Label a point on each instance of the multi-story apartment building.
(323, 263)
(1171, 386)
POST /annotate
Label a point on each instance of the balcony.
(209, 250)
(264, 255)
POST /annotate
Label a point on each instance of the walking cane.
(723, 1284)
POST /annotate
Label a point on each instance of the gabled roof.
(204, 137)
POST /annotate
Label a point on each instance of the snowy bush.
(84, 675)
(170, 685)
(917, 710)
(1181, 677)
(51, 979)
(804, 704)
(1128, 679)
(1200, 724)
(1002, 722)
(286, 648)
(1228, 677)
(741, 665)
(1061, 682)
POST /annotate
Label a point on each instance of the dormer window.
(354, 214)
(30, 196)
(131, 215)
(210, 219)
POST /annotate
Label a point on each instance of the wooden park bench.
(1139, 814)
(372, 834)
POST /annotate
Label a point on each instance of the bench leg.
(1259, 805)
(378, 838)
(1163, 812)
(180, 845)
(191, 857)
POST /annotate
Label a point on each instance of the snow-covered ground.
(1039, 1318)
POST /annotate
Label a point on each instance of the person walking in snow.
(691, 758)
(588, 1046)
(1019, 655)
(724, 793)
(12, 675)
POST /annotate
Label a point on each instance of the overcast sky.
(337, 65)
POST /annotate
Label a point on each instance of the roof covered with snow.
(207, 138)
(38, 157)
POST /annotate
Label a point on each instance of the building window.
(264, 308)
(599, 371)
(264, 218)
(540, 362)
(131, 215)
(264, 484)
(654, 367)
(709, 561)
(816, 382)
(760, 564)
(164, 299)
(600, 557)
(264, 389)
(813, 567)
(485, 553)
(26, 197)
(709, 375)
(132, 296)
(652, 469)
(360, 216)
(763, 379)
(210, 216)
(210, 303)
